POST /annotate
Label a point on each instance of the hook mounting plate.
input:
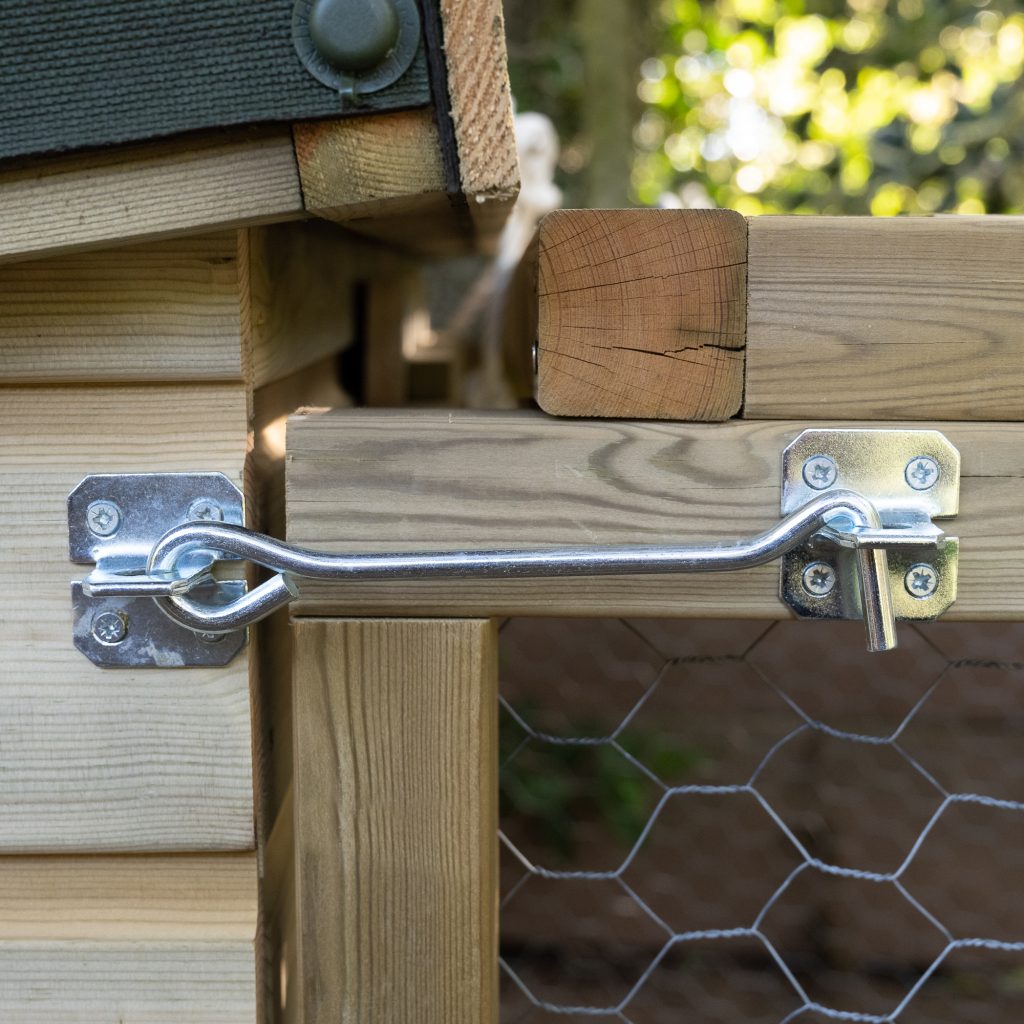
(912, 477)
(114, 521)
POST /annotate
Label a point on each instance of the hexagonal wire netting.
(753, 822)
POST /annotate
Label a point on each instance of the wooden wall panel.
(408, 481)
(396, 821)
(96, 759)
(149, 939)
(81, 983)
(156, 311)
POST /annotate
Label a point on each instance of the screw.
(104, 518)
(211, 638)
(820, 472)
(921, 580)
(921, 473)
(205, 510)
(819, 579)
(110, 628)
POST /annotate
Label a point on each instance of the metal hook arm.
(289, 562)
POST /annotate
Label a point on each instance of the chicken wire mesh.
(749, 822)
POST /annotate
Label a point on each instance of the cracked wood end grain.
(642, 313)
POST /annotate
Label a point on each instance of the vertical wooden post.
(396, 821)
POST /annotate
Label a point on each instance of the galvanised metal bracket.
(911, 477)
(857, 540)
(114, 522)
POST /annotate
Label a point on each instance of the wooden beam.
(399, 178)
(357, 172)
(396, 821)
(156, 898)
(384, 177)
(153, 939)
(909, 318)
(641, 313)
(394, 481)
(279, 948)
(136, 193)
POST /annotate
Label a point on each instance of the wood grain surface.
(84, 982)
(299, 296)
(907, 318)
(205, 897)
(141, 938)
(165, 310)
(641, 313)
(481, 109)
(396, 821)
(96, 759)
(195, 185)
(408, 480)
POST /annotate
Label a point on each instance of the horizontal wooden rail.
(391, 481)
(697, 314)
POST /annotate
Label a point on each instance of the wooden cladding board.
(96, 759)
(653, 314)
(904, 318)
(396, 821)
(143, 192)
(154, 898)
(164, 310)
(253, 305)
(405, 480)
(641, 313)
(156, 939)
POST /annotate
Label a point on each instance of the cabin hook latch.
(857, 541)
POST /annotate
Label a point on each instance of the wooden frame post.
(396, 821)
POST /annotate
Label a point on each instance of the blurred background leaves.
(770, 106)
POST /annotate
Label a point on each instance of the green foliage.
(551, 788)
(865, 106)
